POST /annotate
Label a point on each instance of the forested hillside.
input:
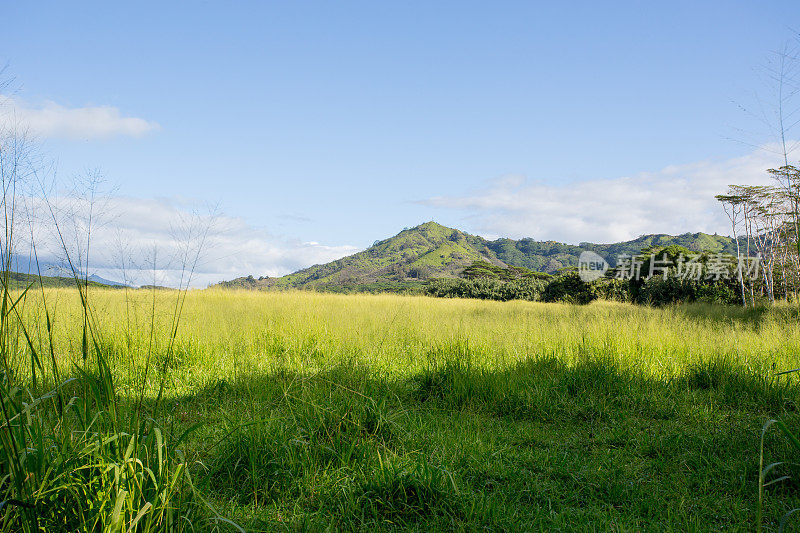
(432, 250)
(19, 280)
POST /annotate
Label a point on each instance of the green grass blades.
(70, 459)
(307, 411)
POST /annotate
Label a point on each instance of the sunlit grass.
(250, 332)
(382, 411)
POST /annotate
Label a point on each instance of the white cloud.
(156, 237)
(674, 200)
(52, 120)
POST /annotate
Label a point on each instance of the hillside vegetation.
(431, 250)
(20, 280)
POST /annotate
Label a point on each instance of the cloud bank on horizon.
(161, 242)
(674, 200)
(140, 240)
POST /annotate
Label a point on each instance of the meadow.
(309, 411)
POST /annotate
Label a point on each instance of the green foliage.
(406, 286)
(490, 282)
(612, 289)
(87, 474)
(551, 256)
(484, 269)
(565, 288)
(569, 288)
(659, 291)
(316, 427)
(671, 286)
(20, 281)
(487, 288)
(421, 272)
(778, 472)
(431, 250)
(73, 457)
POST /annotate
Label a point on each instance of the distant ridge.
(22, 280)
(432, 250)
(104, 281)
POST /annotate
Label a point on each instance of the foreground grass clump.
(72, 456)
(378, 412)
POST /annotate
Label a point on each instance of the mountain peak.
(433, 250)
(432, 228)
(431, 224)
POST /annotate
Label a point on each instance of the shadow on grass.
(731, 314)
(342, 446)
(546, 390)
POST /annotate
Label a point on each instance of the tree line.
(764, 220)
(712, 280)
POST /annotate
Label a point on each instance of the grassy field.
(357, 412)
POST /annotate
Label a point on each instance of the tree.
(732, 204)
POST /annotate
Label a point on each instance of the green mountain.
(432, 250)
(20, 280)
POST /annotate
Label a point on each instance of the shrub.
(486, 289)
(660, 291)
(419, 272)
(617, 290)
(569, 288)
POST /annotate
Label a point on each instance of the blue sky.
(342, 122)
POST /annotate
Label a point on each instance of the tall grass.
(357, 410)
(226, 333)
(73, 457)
